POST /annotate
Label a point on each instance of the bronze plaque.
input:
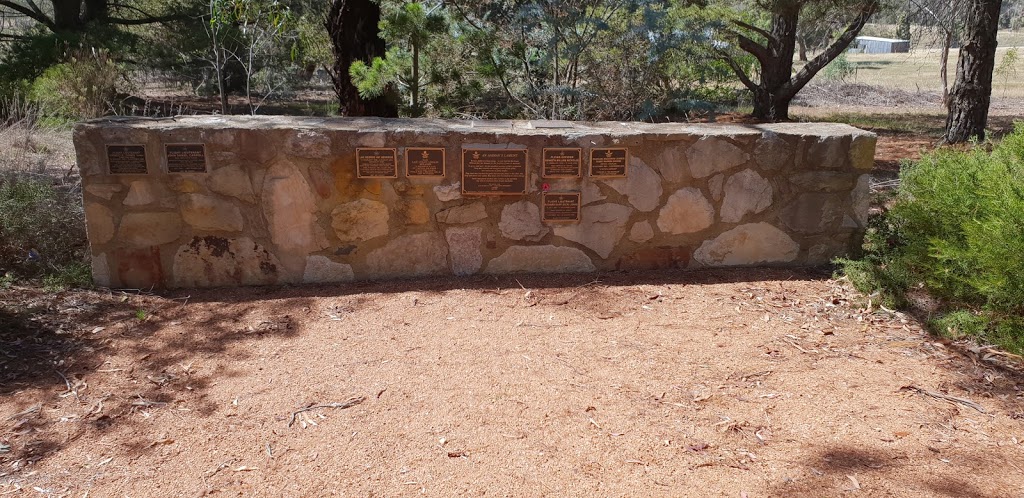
(562, 162)
(376, 163)
(494, 171)
(424, 161)
(126, 159)
(185, 158)
(560, 207)
(608, 162)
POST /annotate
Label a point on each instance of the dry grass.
(36, 150)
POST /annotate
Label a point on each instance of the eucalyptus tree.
(355, 36)
(972, 92)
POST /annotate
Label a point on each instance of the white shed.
(875, 45)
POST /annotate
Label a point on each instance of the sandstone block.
(216, 262)
(204, 212)
(464, 249)
(712, 155)
(320, 269)
(655, 258)
(414, 255)
(823, 181)
(672, 163)
(362, 219)
(290, 210)
(642, 187)
(600, 228)
(139, 267)
(100, 270)
(233, 182)
(458, 215)
(417, 213)
(826, 152)
(686, 211)
(773, 152)
(746, 192)
(99, 223)
(716, 185)
(521, 221)
(860, 199)
(309, 144)
(641, 232)
(862, 152)
(446, 193)
(590, 193)
(140, 193)
(541, 259)
(105, 190)
(751, 244)
(813, 213)
(149, 229)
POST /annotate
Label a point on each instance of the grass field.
(919, 71)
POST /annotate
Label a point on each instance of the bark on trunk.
(972, 90)
(769, 105)
(352, 26)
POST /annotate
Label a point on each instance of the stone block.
(139, 268)
(208, 213)
(862, 151)
(641, 232)
(600, 228)
(540, 259)
(290, 210)
(414, 255)
(100, 270)
(642, 186)
(217, 262)
(686, 211)
(521, 221)
(416, 212)
(752, 244)
(464, 249)
(104, 190)
(149, 229)
(446, 193)
(458, 215)
(309, 144)
(233, 182)
(712, 155)
(772, 152)
(823, 181)
(362, 219)
(99, 223)
(320, 269)
(813, 213)
(746, 193)
(655, 258)
(860, 199)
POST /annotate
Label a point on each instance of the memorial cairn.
(223, 201)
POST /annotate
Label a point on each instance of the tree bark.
(352, 26)
(972, 91)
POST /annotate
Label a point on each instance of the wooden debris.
(937, 395)
(341, 406)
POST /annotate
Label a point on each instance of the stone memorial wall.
(222, 201)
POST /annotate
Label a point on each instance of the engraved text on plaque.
(560, 206)
(559, 162)
(376, 163)
(126, 159)
(608, 163)
(185, 158)
(494, 171)
(424, 161)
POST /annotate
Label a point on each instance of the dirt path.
(719, 383)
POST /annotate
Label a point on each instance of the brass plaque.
(494, 171)
(126, 159)
(185, 158)
(376, 162)
(560, 207)
(424, 161)
(562, 162)
(608, 162)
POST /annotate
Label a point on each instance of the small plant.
(839, 69)
(141, 315)
(42, 228)
(72, 275)
(85, 86)
(1008, 67)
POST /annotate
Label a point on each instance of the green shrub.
(85, 86)
(839, 69)
(956, 229)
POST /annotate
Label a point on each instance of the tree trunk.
(67, 15)
(802, 45)
(352, 26)
(947, 43)
(972, 90)
(777, 69)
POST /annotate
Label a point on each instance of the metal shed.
(875, 45)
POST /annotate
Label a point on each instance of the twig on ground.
(341, 406)
(945, 397)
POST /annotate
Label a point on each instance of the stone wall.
(280, 202)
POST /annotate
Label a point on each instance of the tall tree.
(972, 91)
(354, 32)
(776, 85)
(77, 16)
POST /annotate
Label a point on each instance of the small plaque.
(560, 207)
(126, 159)
(608, 163)
(494, 171)
(376, 163)
(424, 161)
(185, 158)
(562, 162)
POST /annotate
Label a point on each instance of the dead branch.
(341, 406)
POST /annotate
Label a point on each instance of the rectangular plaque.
(562, 162)
(185, 158)
(126, 159)
(608, 162)
(424, 161)
(494, 171)
(376, 162)
(559, 207)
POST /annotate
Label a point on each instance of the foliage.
(85, 86)
(956, 230)
(839, 69)
(1007, 67)
(42, 228)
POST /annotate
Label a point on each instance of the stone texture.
(812, 213)
(641, 232)
(860, 199)
(824, 253)
(467, 213)
(320, 269)
(99, 223)
(139, 267)
(686, 211)
(204, 212)
(464, 249)
(149, 229)
(446, 193)
(323, 181)
(309, 144)
(362, 219)
(541, 259)
(104, 190)
(756, 243)
(290, 210)
(655, 258)
(140, 193)
(826, 152)
(823, 181)
(862, 151)
(416, 212)
(414, 255)
(521, 221)
(600, 228)
(233, 182)
(746, 192)
(642, 186)
(716, 185)
(216, 261)
(772, 152)
(672, 163)
(712, 155)
(590, 193)
(100, 270)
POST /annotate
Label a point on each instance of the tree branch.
(148, 20)
(27, 12)
(747, 82)
(837, 47)
(749, 27)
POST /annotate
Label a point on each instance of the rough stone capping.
(279, 201)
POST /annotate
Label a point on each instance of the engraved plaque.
(608, 163)
(560, 207)
(185, 158)
(126, 159)
(494, 171)
(562, 162)
(376, 163)
(424, 161)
